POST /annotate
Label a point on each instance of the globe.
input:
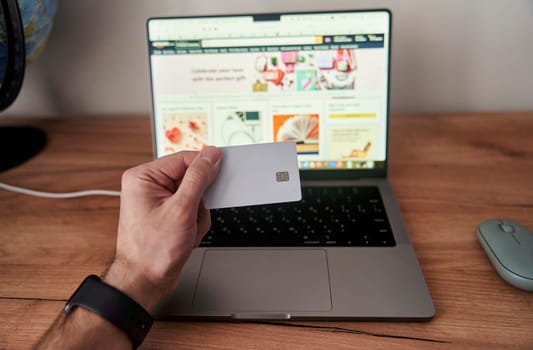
(18, 144)
(37, 18)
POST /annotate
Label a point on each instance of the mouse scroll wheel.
(507, 228)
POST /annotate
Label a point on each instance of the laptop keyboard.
(326, 216)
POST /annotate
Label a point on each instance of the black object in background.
(17, 144)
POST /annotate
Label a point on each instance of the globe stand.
(18, 144)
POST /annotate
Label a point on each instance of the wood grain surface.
(449, 172)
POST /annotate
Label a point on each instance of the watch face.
(71, 302)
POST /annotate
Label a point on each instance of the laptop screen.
(319, 79)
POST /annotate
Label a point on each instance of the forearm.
(84, 329)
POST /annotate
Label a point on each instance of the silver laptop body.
(322, 80)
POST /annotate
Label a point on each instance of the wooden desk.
(449, 172)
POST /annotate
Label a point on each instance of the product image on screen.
(300, 128)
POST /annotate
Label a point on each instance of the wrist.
(134, 283)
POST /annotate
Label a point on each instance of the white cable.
(59, 195)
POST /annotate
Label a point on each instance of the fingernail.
(211, 154)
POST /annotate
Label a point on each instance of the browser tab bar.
(294, 40)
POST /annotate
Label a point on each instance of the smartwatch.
(113, 305)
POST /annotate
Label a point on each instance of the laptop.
(321, 80)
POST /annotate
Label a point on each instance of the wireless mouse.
(509, 246)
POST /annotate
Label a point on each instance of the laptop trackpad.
(240, 281)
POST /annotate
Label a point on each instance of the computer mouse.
(509, 246)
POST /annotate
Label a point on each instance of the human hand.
(162, 218)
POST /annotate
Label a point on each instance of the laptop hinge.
(261, 316)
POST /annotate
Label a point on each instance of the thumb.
(198, 177)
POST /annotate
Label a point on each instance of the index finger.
(174, 165)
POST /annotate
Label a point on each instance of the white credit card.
(255, 174)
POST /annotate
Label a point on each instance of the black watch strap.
(113, 305)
